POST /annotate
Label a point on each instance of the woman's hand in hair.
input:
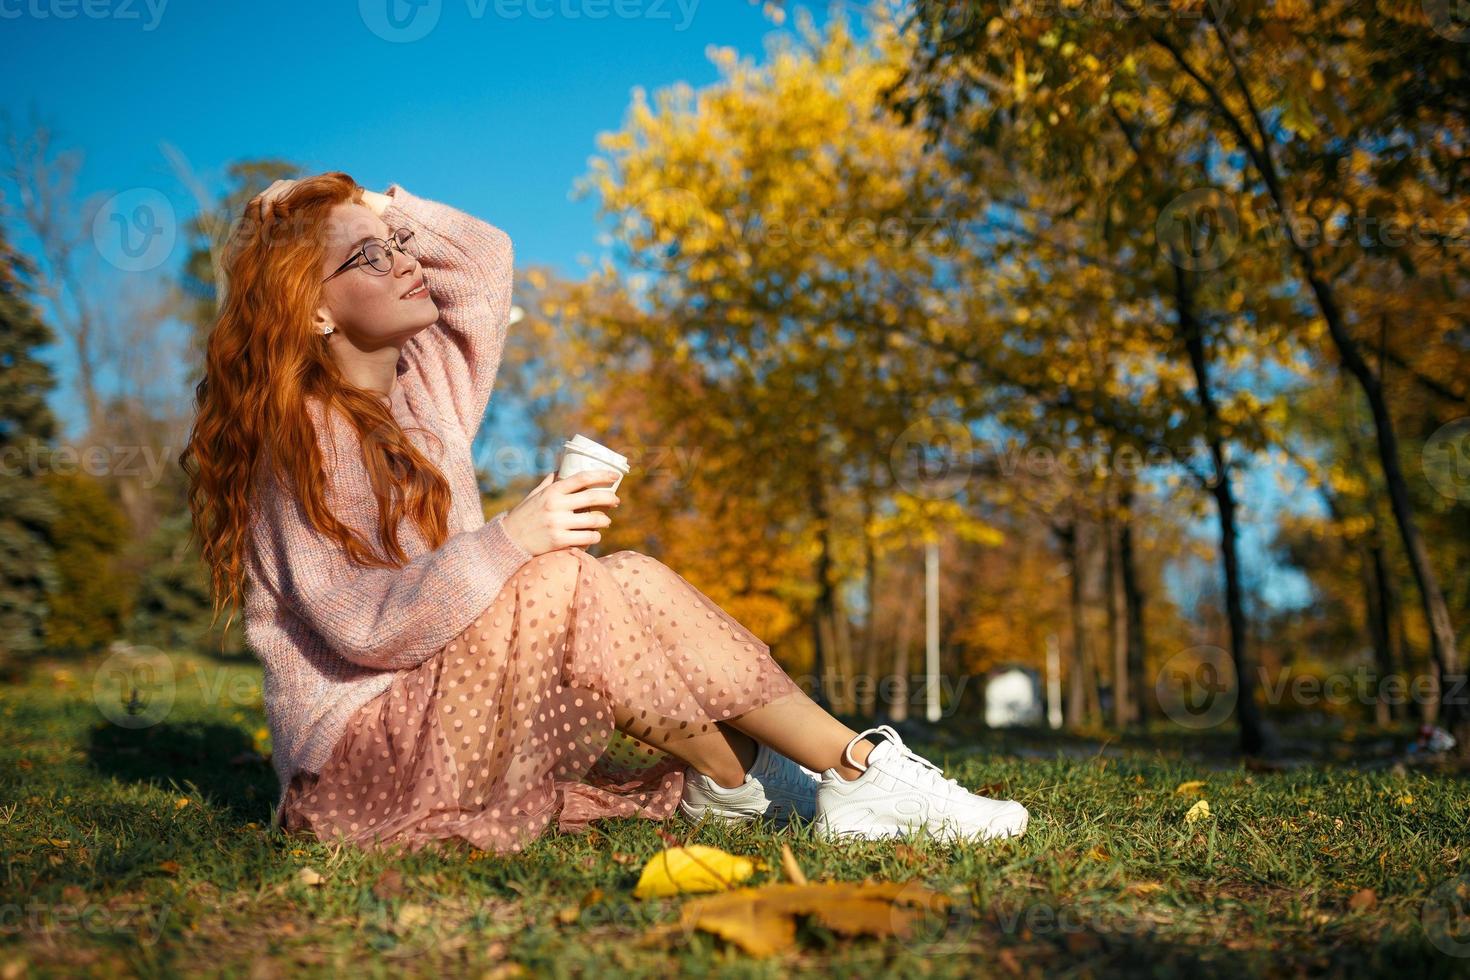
(554, 515)
(266, 198)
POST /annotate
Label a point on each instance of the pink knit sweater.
(331, 635)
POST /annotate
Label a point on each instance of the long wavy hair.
(263, 360)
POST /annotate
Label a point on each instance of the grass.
(146, 850)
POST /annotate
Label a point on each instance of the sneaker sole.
(946, 833)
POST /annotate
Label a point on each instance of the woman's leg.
(724, 755)
(795, 725)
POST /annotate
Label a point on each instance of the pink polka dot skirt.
(552, 705)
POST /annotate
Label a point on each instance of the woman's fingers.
(581, 520)
(592, 497)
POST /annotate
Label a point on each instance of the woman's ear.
(322, 322)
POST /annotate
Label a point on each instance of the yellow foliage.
(694, 868)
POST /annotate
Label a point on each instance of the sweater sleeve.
(467, 266)
(384, 618)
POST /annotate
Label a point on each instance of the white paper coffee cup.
(579, 454)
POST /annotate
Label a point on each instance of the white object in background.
(580, 454)
(1012, 697)
(1053, 681)
(931, 644)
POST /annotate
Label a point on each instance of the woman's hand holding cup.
(553, 515)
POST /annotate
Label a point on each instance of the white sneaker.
(775, 787)
(899, 792)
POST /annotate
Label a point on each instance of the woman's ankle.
(860, 750)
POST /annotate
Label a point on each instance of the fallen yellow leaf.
(762, 921)
(1192, 788)
(1200, 811)
(695, 868)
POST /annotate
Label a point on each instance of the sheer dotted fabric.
(553, 705)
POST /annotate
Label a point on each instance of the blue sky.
(491, 106)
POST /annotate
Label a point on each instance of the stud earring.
(326, 330)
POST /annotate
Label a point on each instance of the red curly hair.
(263, 361)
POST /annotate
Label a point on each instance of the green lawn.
(146, 850)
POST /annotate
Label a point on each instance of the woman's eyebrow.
(365, 238)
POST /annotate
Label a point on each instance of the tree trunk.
(821, 614)
(1117, 628)
(1376, 596)
(1193, 335)
(1133, 603)
(867, 692)
(1456, 714)
(898, 706)
(1081, 704)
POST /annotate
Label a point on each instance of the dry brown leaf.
(762, 921)
(789, 866)
(1366, 900)
(389, 885)
(1144, 888)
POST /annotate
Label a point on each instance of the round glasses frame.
(376, 254)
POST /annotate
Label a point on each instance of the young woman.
(431, 675)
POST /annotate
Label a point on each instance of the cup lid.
(587, 447)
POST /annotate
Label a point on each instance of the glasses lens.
(377, 257)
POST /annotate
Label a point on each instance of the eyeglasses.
(377, 253)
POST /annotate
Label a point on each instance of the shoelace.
(906, 754)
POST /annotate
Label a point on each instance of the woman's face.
(368, 308)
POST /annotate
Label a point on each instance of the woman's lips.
(422, 289)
